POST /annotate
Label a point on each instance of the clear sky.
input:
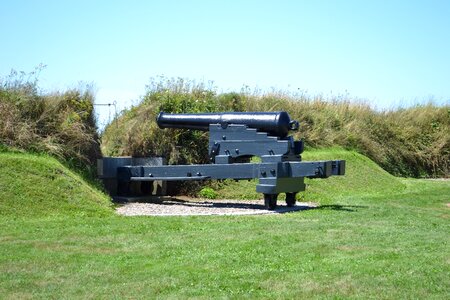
(387, 52)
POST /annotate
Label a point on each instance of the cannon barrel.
(274, 123)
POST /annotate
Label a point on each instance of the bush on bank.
(61, 124)
(412, 142)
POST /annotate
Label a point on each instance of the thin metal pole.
(114, 103)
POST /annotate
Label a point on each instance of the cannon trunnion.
(233, 139)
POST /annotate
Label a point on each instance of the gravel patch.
(196, 207)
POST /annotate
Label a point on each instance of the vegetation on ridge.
(61, 124)
(405, 141)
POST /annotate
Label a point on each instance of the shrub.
(140, 135)
(61, 124)
(208, 193)
(405, 141)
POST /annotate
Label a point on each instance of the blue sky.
(387, 52)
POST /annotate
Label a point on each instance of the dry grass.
(61, 124)
(411, 141)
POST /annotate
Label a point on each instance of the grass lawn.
(362, 242)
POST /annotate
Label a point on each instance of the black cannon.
(233, 139)
(274, 123)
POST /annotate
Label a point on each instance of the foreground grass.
(374, 236)
(378, 246)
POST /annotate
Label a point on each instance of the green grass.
(59, 123)
(362, 177)
(32, 185)
(368, 242)
(407, 142)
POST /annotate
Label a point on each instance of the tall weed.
(411, 141)
(61, 124)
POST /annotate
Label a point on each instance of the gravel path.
(197, 207)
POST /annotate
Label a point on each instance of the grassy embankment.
(409, 142)
(60, 124)
(40, 186)
(374, 236)
(362, 177)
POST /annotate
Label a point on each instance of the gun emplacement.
(234, 137)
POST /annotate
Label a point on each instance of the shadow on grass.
(255, 205)
(339, 207)
(213, 204)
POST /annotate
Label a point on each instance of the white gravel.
(198, 207)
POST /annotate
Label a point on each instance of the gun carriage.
(234, 138)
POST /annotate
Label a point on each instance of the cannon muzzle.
(274, 123)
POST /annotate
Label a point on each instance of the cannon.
(235, 137)
(274, 123)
